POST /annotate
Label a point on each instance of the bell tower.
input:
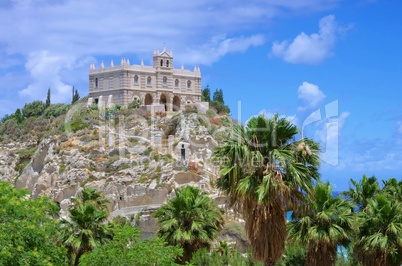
(163, 60)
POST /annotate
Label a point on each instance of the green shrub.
(19, 167)
(220, 107)
(6, 118)
(92, 107)
(190, 109)
(11, 128)
(56, 110)
(34, 108)
(25, 156)
(210, 113)
(74, 125)
(135, 104)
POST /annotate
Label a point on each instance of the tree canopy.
(206, 94)
(127, 249)
(76, 96)
(86, 229)
(34, 108)
(265, 171)
(28, 232)
(191, 220)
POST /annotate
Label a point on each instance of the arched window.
(164, 81)
(167, 63)
(96, 82)
(149, 81)
(188, 84)
(135, 80)
(176, 83)
(161, 62)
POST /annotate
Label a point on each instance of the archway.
(176, 103)
(163, 101)
(148, 99)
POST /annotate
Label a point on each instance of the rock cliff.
(136, 159)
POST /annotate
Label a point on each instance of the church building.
(160, 84)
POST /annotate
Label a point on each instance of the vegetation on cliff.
(55, 149)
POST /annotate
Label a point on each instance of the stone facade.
(159, 84)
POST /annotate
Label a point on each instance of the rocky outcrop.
(138, 163)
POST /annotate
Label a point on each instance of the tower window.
(164, 81)
(167, 63)
(161, 62)
(188, 84)
(149, 81)
(135, 80)
(176, 83)
(96, 82)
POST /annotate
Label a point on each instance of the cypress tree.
(76, 96)
(48, 98)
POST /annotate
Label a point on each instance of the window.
(188, 84)
(96, 82)
(161, 62)
(135, 80)
(164, 81)
(176, 83)
(167, 63)
(149, 81)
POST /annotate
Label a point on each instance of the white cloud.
(309, 49)
(49, 39)
(46, 71)
(218, 47)
(105, 27)
(310, 95)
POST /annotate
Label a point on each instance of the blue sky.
(332, 65)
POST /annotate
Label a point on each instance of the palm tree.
(379, 238)
(86, 229)
(266, 172)
(323, 224)
(363, 190)
(393, 188)
(191, 220)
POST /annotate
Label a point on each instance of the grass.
(143, 178)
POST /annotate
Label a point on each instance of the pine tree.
(218, 96)
(18, 115)
(206, 94)
(48, 98)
